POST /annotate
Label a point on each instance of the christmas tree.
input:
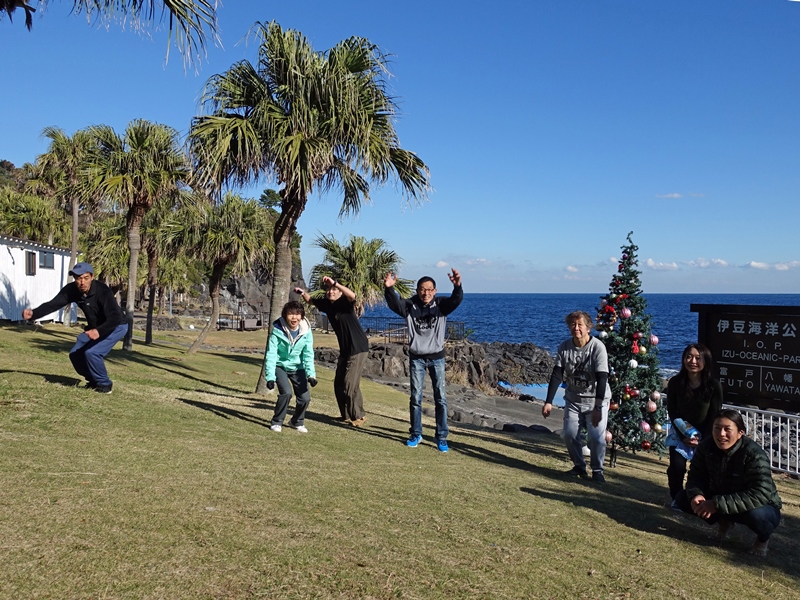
(637, 411)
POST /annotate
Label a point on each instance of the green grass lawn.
(174, 487)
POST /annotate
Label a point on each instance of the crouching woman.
(730, 481)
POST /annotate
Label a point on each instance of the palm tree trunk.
(285, 227)
(214, 285)
(152, 281)
(135, 216)
(73, 254)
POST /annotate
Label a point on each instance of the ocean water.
(539, 318)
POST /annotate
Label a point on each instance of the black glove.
(312, 381)
(270, 385)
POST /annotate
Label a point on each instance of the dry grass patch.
(174, 487)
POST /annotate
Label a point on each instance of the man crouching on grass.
(104, 324)
(426, 316)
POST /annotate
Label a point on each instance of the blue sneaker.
(442, 445)
(413, 441)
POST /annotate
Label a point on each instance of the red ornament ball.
(613, 406)
(646, 445)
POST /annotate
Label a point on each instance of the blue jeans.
(87, 355)
(435, 368)
(762, 520)
(574, 419)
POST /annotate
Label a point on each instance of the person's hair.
(293, 307)
(706, 377)
(425, 280)
(579, 314)
(732, 415)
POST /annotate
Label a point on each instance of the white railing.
(776, 432)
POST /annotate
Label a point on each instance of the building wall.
(19, 290)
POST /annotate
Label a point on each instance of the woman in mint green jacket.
(290, 363)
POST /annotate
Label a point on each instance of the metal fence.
(242, 322)
(776, 432)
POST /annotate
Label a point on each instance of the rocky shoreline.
(474, 371)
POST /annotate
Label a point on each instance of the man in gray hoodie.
(426, 316)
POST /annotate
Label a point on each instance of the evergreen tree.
(637, 409)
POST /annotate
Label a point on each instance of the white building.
(30, 274)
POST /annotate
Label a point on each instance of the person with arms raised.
(426, 316)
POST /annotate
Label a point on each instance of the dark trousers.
(347, 385)
(87, 355)
(762, 520)
(287, 382)
(676, 472)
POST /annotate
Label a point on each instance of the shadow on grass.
(54, 379)
(629, 501)
(226, 412)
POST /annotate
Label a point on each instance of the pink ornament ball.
(645, 426)
(625, 313)
(651, 406)
(654, 340)
(655, 396)
(609, 437)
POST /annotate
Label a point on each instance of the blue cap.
(81, 268)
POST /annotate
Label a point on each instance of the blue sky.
(552, 128)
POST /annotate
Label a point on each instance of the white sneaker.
(301, 429)
(276, 428)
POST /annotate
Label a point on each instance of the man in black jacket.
(105, 324)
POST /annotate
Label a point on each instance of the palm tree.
(311, 120)
(188, 19)
(228, 236)
(107, 251)
(360, 265)
(61, 172)
(154, 249)
(31, 217)
(136, 170)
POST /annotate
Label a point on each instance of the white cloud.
(704, 263)
(657, 266)
(441, 264)
(478, 262)
(754, 264)
(670, 196)
(572, 269)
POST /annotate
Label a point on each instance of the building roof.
(8, 240)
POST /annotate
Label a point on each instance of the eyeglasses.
(426, 290)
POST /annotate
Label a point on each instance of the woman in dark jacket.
(730, 481)
(696, 397)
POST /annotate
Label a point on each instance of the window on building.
(47, 260)
(30, 263)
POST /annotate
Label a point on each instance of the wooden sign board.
(756, 352)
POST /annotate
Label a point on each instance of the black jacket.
(738, 480)
(99, 306)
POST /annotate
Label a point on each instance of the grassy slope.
(174, 487)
